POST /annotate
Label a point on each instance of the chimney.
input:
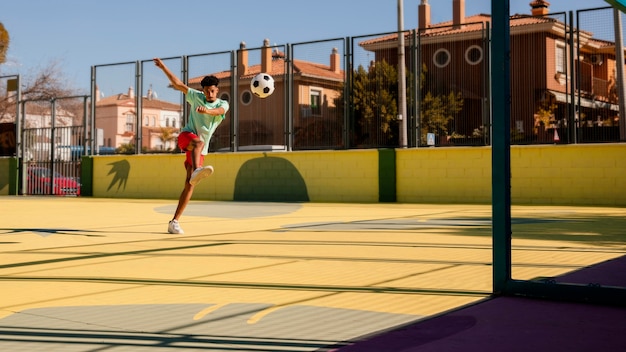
(458, 13)
(335, 61)
(131, 93)
(266, 57)
(539, 8)
(423, 14)
(242, 59)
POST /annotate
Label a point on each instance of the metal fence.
(597, 104)
(52, 137)
(343, 92)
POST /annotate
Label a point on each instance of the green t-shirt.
(203, 125)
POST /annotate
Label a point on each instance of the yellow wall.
(329, 176)
(581, 174)
(587, 174)
(444, 175)
(562, 174)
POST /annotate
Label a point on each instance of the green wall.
(8, 176)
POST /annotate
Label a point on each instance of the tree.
(168, 134)
(4, 43)
(374, 105)
(438, 111)
(43, 85)
(48, 83)
(126, 148)
(544, 117)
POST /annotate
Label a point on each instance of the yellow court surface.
(79, 274)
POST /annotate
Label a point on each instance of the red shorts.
(184, 139)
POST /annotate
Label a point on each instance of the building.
(551, 88)
(116, 117)
(262, 122)
(38, 135)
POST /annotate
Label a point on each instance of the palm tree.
(168, 134)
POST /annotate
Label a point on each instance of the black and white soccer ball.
(262, 85)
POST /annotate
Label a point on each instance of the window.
(130, 123)
(167, 122)
(441, 58)
(225, 96)
(147, 118)
(474, 55)
(560, 58)
(316, 101)
(246, 97)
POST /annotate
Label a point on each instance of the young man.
(206, 113)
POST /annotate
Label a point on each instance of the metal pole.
(501, 153)
(234, 88)
(401, 76)
(417, 83)
(19, 153)
(619, 58)
(185, 77)
(84, 142)
(90, 143)
(53, 169)
(23, 164)
(139, 107)
(574, 71)
(347, 94)
(288, 80)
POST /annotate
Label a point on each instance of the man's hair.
(209, 81)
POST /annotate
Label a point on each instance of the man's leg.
(195, 146)
(199, 172)
(185, 195)
(188, 142)
(183, 200)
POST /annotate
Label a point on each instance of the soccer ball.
(262, 85)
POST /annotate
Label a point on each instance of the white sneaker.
(174, 227)
(200, 173)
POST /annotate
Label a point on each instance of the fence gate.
(53, 140)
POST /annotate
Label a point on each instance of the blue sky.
(81, 33)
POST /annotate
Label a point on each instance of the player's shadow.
(270, 179)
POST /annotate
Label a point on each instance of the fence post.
(139, 107)
(501, 154)
(619, 57)
(234, 89)
(402, 116)
(347, 93)
(289, 97)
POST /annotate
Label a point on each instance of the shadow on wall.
(121, 171)
(270, 179)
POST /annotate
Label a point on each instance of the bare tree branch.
(42, 84)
